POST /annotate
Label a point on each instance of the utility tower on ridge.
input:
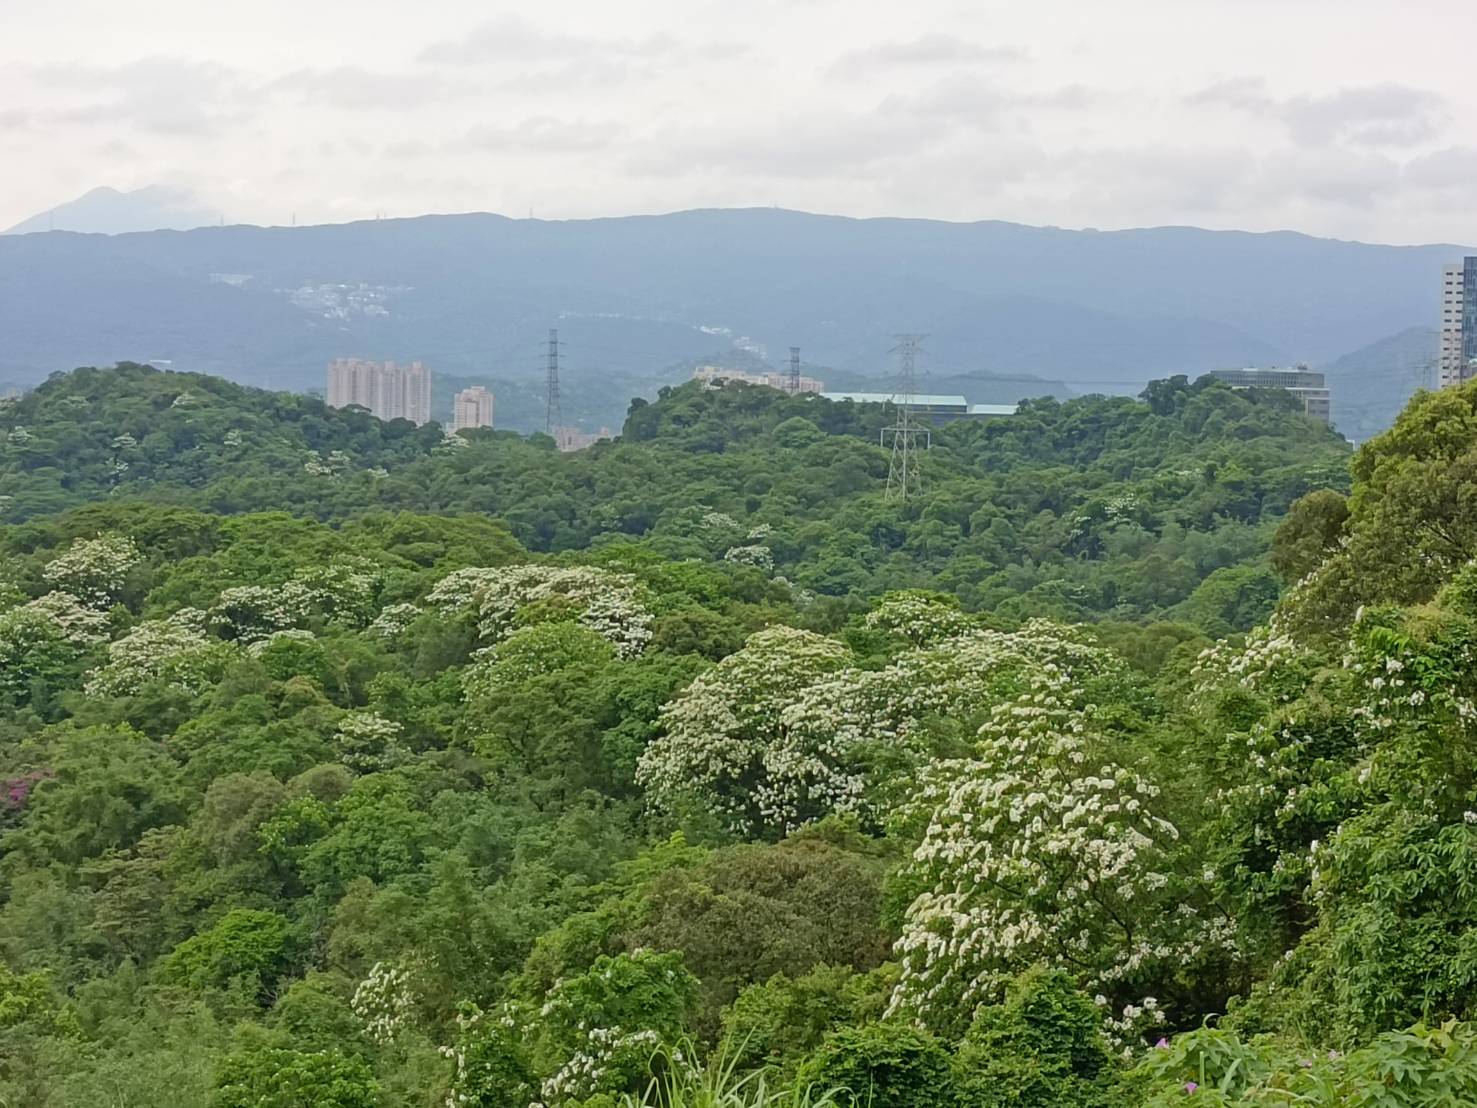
(552, 419)
(794, 371)
(904, 477)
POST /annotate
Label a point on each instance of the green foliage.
(1044, 1046)
(881, 1065)
(245, 943)
(278, 1078)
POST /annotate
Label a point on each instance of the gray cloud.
(927, 50)
(353, 87)
(166, 96)
(1454, 167)
(1384, 115)
(515, 40)
(544, 133)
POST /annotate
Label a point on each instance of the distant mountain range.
(1372, 384)
(107, 211)
(646, 297)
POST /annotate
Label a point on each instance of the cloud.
(1454, 168)
(354, 88)
(513, 40)
(544, 134)
(165, 96)
(1383, 115)
(809, 145)
(927, 50)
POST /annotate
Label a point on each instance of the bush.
(881, 1065)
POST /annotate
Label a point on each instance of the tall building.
(1458, 359)
(1308, 387)
(472, 408)
(388, 390)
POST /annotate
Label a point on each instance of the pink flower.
(1190, 1086)
(1162, 1044)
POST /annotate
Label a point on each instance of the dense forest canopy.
(352, 764)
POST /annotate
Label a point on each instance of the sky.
(1346, 118)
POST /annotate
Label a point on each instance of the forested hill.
(472, 774)
(1090, 508)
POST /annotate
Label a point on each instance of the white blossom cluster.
(786, 730)
(718, 521)
(1267, 653)
(66, 617)
(393, 621)
(384, 1002)
(342, 591)
(332, 464)
(751, 555)
(607, 603)
(919, 619)
(368, 742)
(176, 651)
(584, 1073)
(94, 570)
(718, 735)
(1035, 852)
(248, 612)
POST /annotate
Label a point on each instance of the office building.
(1309, 388)
(1458, 353)
(388, 390)
(472, 407)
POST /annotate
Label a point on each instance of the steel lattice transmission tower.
(552, 419)
(904, 476)
(794, 371)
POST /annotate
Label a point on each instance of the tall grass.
(719, 1085)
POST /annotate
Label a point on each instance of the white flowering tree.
(385, 1002)
(1042, 851)
(718, 736)
(174, 651)
(44, 639)
(789, 729)
(499, 598)
(94, 570)
(343, 591)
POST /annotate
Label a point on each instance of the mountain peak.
(109, 211)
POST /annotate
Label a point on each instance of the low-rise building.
(935, 409)
(1309, 387)
(717, 374)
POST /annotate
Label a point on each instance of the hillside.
(473, 295)
(1372, 384)
(1093, 507)
(647, 777)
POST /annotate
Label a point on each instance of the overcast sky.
(1351, 118)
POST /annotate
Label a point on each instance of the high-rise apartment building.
(388, 390)
(472, 408)
(1458, 357)
(1307, 386)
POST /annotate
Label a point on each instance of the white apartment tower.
(472, 408)
(388, 390)
(1458, 357)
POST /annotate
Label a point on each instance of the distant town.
(390, 390)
